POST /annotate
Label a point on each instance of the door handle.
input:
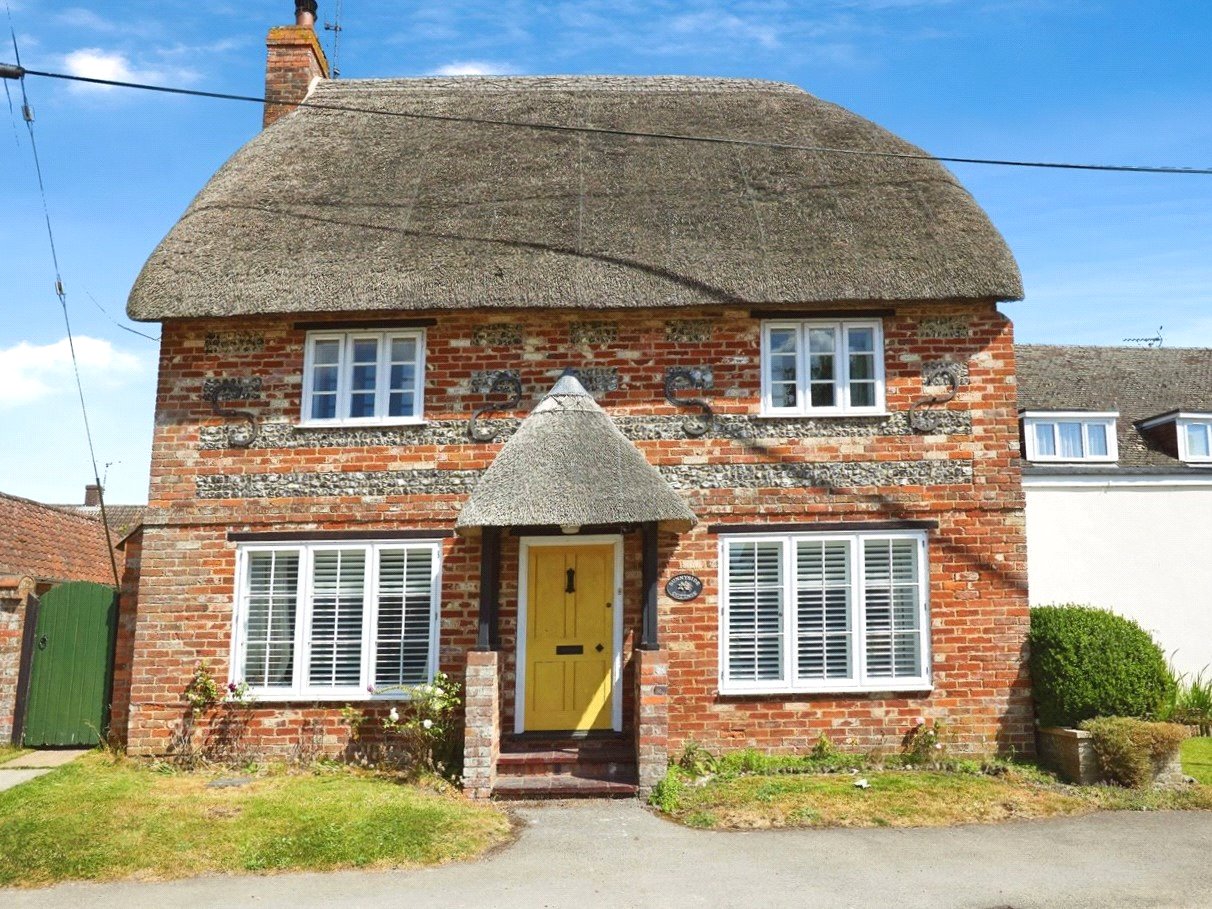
(571, 586)
(599, 648)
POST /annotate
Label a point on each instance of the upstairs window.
(824, 613)
(822, 368)
(320, 621)
(1075, 436)
(1195, 439)
(364, 377)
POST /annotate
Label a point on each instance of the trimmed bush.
(1129, 751)
(1088, 663)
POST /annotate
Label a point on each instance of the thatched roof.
(339, 211)
(1137, 382)
(568, 464)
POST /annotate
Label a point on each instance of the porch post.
(488, 636)
(649, 637)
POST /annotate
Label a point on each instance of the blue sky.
(1104, 256)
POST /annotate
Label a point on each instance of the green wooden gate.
(72, 661)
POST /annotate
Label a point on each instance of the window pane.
(861, 340)
(1097, 435)
(273, 584)
(822, 395)
(325, 373)
(338, 581)
(323, 407)
(891, 608)
(783, 375)
(405, 598)
(1197, 440)
(1070, 439)
(326, 352)
(755, 612)
(862, 394)
(364, 376)
(821, 340)
(1045, 442)
(823, 634)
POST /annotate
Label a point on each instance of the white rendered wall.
(1141, 551)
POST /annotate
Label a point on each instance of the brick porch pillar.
(482, 729)
(652, 717)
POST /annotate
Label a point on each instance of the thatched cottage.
(645, 433)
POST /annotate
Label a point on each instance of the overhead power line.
(28, 115)
(18, 72)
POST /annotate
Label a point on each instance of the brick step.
(621, 784)
(544, 763)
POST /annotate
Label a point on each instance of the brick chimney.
(293, 62)
(92, 495)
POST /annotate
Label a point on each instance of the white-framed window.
(1195, 439)
(812, 367)
(332, 620)
(364, 377)
(828, 612)
(1070, 436)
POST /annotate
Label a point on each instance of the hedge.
(1088, 663)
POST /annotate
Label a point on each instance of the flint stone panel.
(337, 483)
(234, 342)
(833, 474)
(275, 435)
(680, 476)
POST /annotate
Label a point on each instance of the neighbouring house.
(1117, 451)
(645, 440)
(42, 546)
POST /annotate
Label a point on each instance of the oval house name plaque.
(684, 587)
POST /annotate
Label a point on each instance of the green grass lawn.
(900, 798)
(1197, 759)
(104, 818)
(8, 752)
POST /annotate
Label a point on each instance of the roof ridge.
(47, 506)
(668, 83)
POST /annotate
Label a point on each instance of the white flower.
(428, 724)
(393, 715)
(938, 746)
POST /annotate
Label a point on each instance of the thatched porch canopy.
(569, 465)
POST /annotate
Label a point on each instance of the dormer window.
(816, 367)
(1195, 439)
(364, 377)
(1070, 436)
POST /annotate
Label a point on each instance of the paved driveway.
(617, 854)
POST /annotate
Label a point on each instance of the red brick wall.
(977, 557)
(130, 558)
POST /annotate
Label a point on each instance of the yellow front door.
(570, 637)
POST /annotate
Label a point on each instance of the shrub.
(1129, 750)
(1089, 663)
(1192, 703)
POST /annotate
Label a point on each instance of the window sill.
(1101, 461)
(360, 424)
(263, 696)
(822, 415)
(914, 686)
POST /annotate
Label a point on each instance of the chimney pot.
(92, 495)
(305, 13)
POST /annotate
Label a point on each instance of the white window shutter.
(269, 633)
(755, 611)
(823, 632)
(405, 597)
(338, 592)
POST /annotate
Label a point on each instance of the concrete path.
(615, 854)
(33, 765)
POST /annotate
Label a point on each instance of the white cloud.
(727, 25)
(95, 63)
(31, 372)
(475, 68)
